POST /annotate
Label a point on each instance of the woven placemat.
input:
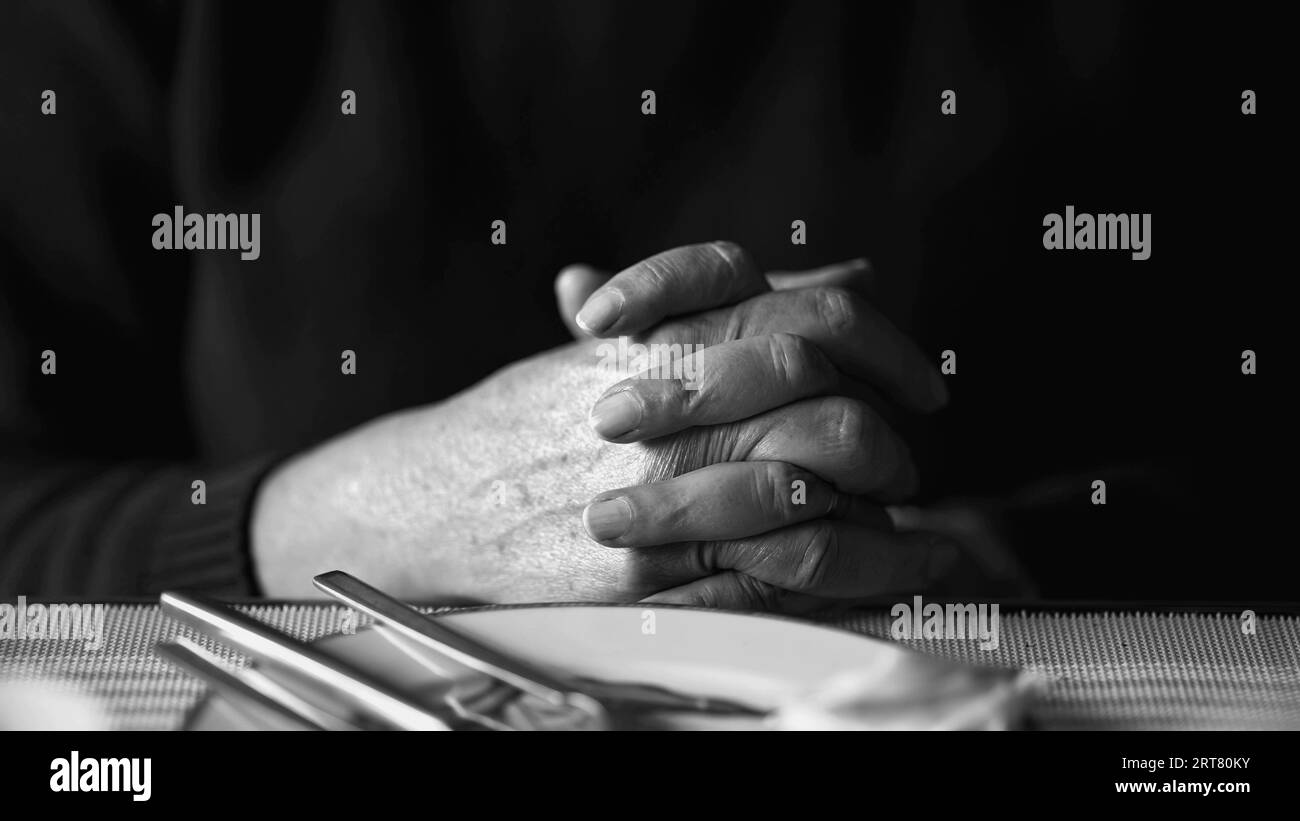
(1109, 670)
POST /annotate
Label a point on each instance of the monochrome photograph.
(691, 366)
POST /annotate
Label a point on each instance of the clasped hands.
(782, 462)
(763, 484)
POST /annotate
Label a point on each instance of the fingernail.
(607, 519)
(616, 415)
(939, 388)
(600, 312)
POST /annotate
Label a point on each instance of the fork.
(597, 699)
(362, 693)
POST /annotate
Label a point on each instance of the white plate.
(763, 661)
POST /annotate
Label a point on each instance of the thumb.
(572, 287)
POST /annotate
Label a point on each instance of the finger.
(720, 384)
(573, 286)
(840, 559)
(856, 275)
(841, 440)
(860, 341)
(978, 530)
(723, 501)
(683, 280)
(844, 441)
(736, 591)
(724, 383)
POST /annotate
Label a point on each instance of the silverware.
(499, 706)
(631, 695)
(248, 687)
(593, 697)
(475, 710)
(366, 697)
(414, 625)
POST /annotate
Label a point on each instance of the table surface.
(1109, 669)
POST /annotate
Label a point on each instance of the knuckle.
(736, 325)
(656, 272)
(695, 329)
(818, 557)
(851, 429)
(835, 308)
(735, 257)
(775, 486)
(708, 595)
(795, 361)
(688, 403)
(701, 558)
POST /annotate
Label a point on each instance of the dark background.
(375, 230)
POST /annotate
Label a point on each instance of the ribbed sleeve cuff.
(206, 546)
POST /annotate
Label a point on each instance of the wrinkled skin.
(479, 497)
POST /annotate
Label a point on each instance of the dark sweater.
(175, 366)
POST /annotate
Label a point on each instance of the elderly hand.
(779, 450)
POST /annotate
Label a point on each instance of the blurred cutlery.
(242, 687)
(595, 698)
(363, 694)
